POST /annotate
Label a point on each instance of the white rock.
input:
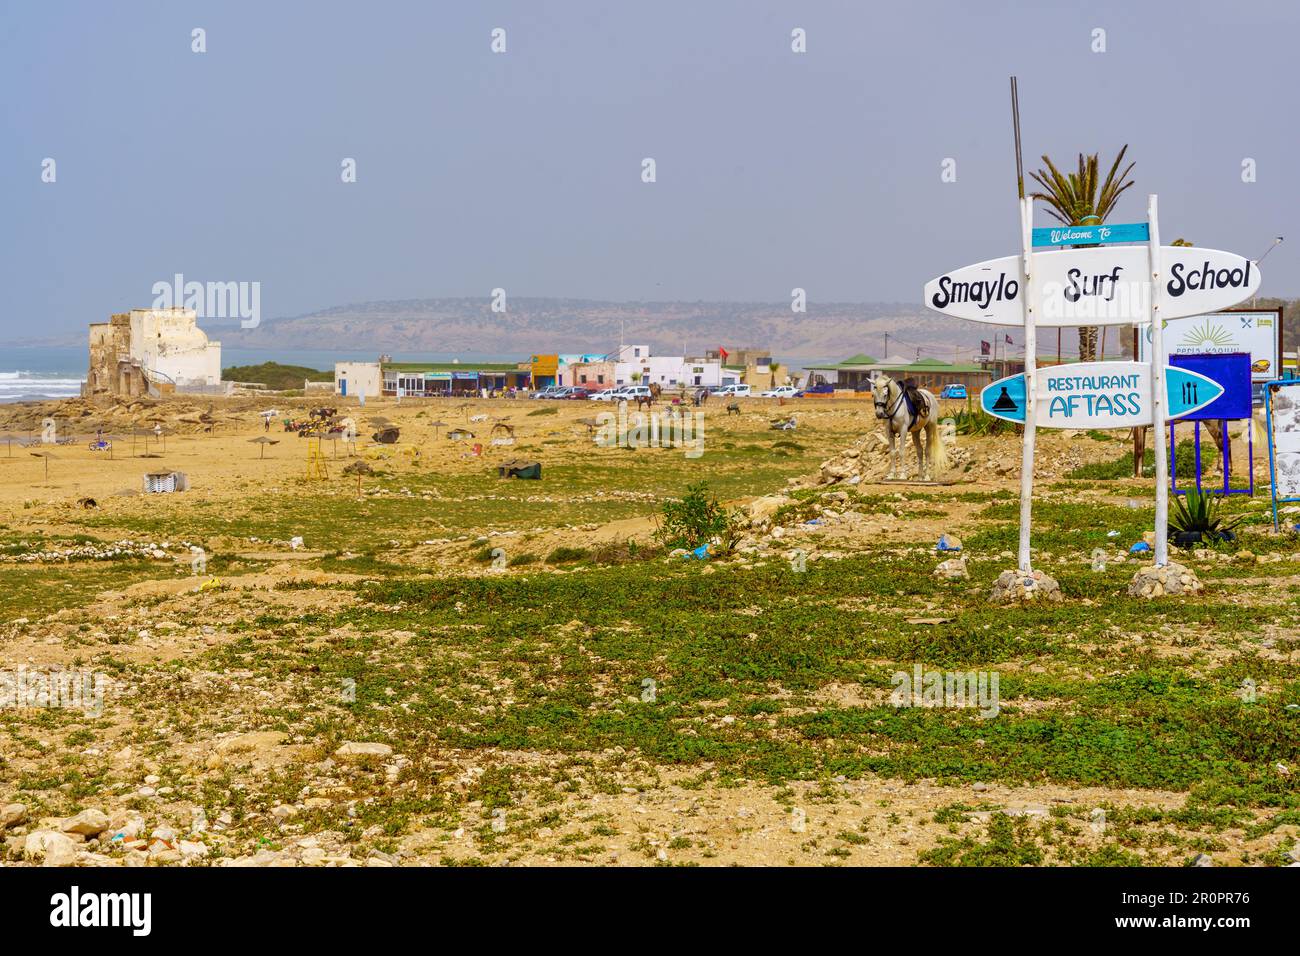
(360, 752)
(41, 843)
(12, 814)
(90, 822)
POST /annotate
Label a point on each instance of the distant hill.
(578, 325)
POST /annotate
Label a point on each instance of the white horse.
(892, 406)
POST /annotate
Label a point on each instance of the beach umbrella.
(9, 439)
(47, 455)
(436, 426)
(264, 441)
(358, 468)
(112, 440)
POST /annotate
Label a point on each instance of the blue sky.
(522, 170)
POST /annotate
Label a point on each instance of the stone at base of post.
(1016, 587)
(1173, 578)
(954, 569)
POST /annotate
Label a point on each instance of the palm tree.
(1080, 199)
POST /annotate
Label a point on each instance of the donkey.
(907, 415)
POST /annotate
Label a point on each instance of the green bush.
(699, 518)
(562, 554)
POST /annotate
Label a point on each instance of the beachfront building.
(544, 369)
(152, 352)
(358, 379)
(416, 379)
(854, 373)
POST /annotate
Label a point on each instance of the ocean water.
(35, 373)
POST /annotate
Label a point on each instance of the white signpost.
(1105, 285)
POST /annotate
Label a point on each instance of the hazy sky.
(522, 170)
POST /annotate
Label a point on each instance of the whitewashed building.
(636, 366)
(355, 379)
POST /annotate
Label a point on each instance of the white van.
(734, 391)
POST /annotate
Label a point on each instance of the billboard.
(1257, 332)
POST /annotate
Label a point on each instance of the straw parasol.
(264, 441)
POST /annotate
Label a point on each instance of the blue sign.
(1230, 370)
(1092, 235)
(1098, 395)
(1187, 391)
(1005, 398)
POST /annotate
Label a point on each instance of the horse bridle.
(882, 404)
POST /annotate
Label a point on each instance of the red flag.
(1008, 338)
(723, 352)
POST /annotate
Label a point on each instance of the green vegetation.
(698, 518)
(276, 376)
(1200, 513)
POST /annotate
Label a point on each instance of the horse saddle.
(913, 399)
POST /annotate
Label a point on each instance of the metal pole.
(1158, 390)
(1031, 384)
(1015, 122)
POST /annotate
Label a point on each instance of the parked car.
(609, 394)
(561, 392)
(547, 392)
(781, 391)
(953, 391)
(734, 391)
(578, 393)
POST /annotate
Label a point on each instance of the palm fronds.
(1074, 197)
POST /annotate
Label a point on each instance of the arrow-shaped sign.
(1098, 395)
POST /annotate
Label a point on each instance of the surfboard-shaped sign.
(1098, 395)
(1097, 286)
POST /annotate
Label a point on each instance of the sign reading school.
(1098, 395)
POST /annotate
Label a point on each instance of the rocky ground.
(437, 666)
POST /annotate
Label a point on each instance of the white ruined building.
(152, 352)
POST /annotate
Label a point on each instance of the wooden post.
(1158, 391)
(1031, 355)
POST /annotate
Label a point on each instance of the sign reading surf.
(1095, 286)
(1098, 395)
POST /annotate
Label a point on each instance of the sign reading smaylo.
(1103, 286)
(212, 300)
(682, 429)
